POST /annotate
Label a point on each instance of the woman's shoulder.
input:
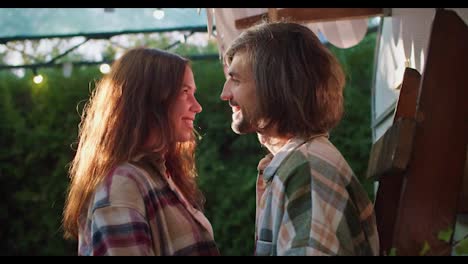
(133, 173)
(125, 175)
(125, 185)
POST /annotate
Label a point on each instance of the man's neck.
(273, 144)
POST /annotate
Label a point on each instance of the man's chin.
(242, 128)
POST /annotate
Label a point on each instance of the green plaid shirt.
(310, 203)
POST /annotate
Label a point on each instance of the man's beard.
(242, 125)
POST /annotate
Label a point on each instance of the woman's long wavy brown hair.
(127, 105)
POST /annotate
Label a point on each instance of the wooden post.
(431, 190)
(387, 199)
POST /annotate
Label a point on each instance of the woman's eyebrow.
(190, 86)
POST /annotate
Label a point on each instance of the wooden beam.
(273, 14)
(307, 15)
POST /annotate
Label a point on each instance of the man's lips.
(235, 108)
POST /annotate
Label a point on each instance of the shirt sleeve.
(120, 230)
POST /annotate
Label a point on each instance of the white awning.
(342, 33)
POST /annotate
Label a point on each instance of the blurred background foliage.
(39, 123)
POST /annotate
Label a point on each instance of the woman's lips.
(188, 122)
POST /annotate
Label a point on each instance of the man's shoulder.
(312, 158)
(295, 160)
(318, 150)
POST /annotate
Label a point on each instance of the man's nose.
(226, 93)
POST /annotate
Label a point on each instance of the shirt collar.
(283, 153)
(156, 160)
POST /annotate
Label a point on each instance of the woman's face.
(182, 112)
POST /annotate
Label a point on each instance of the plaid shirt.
(310, 203)
(137, 213)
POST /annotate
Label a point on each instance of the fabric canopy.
(36, 23)
(342, 34)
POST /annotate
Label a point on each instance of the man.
(284, 84)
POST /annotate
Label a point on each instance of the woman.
(133, 188)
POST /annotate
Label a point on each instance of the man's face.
(239, 90)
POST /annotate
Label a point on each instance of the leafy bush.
(39, 122)
(353, 136)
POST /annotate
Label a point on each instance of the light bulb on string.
(37, 79)
(158, 14)
(105, 68)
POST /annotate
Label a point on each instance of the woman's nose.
(196, 107)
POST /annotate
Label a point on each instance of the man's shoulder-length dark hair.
(299, 83)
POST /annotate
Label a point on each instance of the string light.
(37, 77)
(105, 68)
(158, 14)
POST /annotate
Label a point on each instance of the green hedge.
(38, 124)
